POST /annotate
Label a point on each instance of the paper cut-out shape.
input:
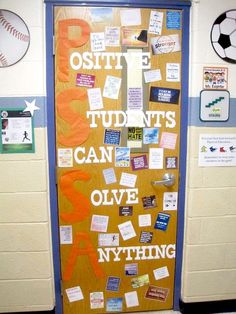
(65, 44)
(80, 203)
(79, 126)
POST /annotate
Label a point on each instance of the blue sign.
(112, 137)
(162, 221)
(164, 95)
(173, 20)
(113, 283)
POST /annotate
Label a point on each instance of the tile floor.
(172, 312)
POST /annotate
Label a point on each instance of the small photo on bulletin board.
(17, 131)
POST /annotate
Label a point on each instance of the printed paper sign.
(112, 87)
(173, 20)
(112, 36)
(168, 140)
(214, 105)
(215, 78)
(144, 220)
(131, 269)
(74, 294)
(125, 210)
(101, 15)
(96, 300)
(113, 284)
(157, 293)
(165, 44)
(170, 200)
(135, 134)
(139, 162)
(65, 157)
(217, 150)
(156, 156)
(130, 17)
(99, 223)
(112, 137)
(128, 179)
(122, 157)
(146, 237)
(66, 235)
(109, 176)
(85, 80)
(149, 202)
(114, 305)
(162, 221)
(164, 95)
(155, 22)
(173, 72)
(152, 76)
(97, 41)
(127, 230)
(135, 98)
(17, 131)
(150, 135)
(131, 299)
(108, 239)
(171, 162)
(95, 98)
(134, 37)
(161, 273)
(140, 281)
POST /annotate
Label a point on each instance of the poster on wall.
(217, 150)
(215, 78)
(17, 135)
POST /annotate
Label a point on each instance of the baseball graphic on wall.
(14, 38)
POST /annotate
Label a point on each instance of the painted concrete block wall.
(26, 272)
(209, 267)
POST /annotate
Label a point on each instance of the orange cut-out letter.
(80, 203)
(87, 249)
(79, 126)
(64, 44)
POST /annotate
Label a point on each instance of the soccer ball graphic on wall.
(223, 36)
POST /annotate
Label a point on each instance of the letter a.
(82, 239)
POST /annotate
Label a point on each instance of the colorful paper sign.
(112, 87)
(65, 157)
(173, 20)
(114, 305)
(17, 132)
(150, 135)
(122, 156)
(139, 162)
(168, 140)
(125, 210)
(112, 137)
(131, 269)
(113, 283)
(127, 230)
(146, 237)
(165, 44)
(215, 78)
(66, 236)
(162, 221)
(85, 80)
(164, 95)
(149, 202)
(74, 294)
(108, 239)
(140, 281)
(96, 300)
(217, 150)
(157, 293)
(134, 37)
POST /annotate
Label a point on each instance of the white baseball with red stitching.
(14, 38)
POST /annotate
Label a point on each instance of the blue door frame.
(165, 4)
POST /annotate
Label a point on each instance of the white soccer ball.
(223, 36)
(14, 38)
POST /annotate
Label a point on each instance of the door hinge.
(61, 283)
(53, 45)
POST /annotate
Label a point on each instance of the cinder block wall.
(26, 274)
(209, 268)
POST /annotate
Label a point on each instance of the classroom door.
(118, 103)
